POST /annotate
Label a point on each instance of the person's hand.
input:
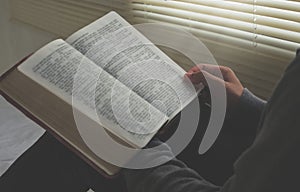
(233, 86)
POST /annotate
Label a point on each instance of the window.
(257, 38)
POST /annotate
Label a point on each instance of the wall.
(17, 39)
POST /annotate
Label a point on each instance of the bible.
(111, 75)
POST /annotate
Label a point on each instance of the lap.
(50, 166)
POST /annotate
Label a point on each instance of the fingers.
(194, 69)
(202, 77)
(217, 76)
(221, 72)
(212, 69)
(195, 77)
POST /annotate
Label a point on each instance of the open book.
(110, 73)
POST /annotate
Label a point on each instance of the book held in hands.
(108, 72)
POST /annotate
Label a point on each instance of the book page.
(67, 73)
(116, 46)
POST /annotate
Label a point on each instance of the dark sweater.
(272, 163)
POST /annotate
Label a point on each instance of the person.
(271, 163)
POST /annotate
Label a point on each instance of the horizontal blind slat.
(289, 45)
(226, 22)
(280, 4)
(236, 42)
(225, 13)
(229, 5)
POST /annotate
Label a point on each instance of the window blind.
(257, 38)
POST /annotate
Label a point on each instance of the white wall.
(17, 39)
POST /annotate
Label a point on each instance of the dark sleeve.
(245, 119)
(250, 109)
(173, 176)
(270, 164)
(251, 104)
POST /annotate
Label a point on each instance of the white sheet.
(17, 133)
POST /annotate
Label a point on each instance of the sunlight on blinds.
(257, 38)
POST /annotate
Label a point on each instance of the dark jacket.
(271, 164)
